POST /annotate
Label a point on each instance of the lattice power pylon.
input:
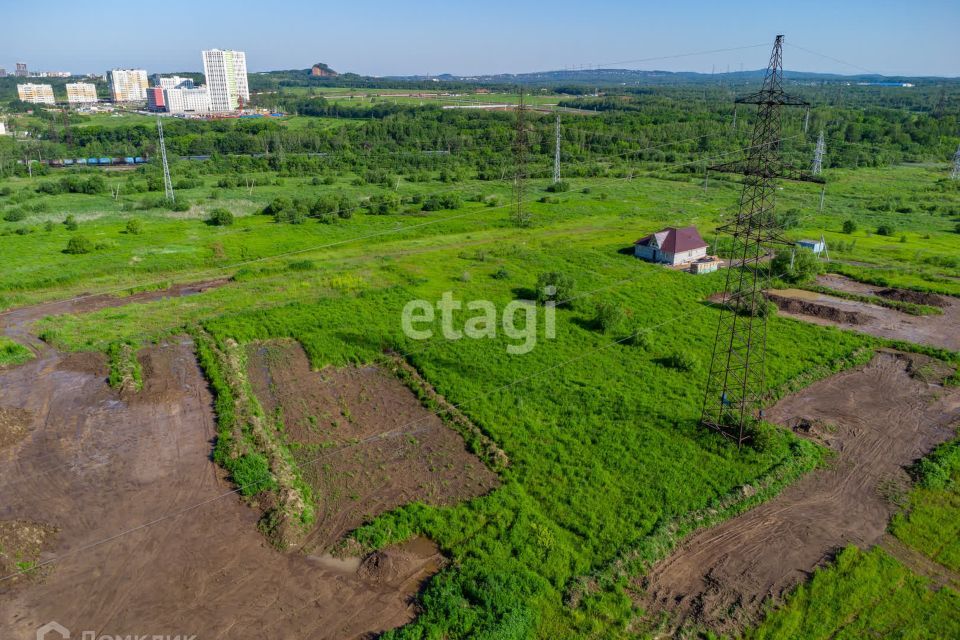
(556, 154)
(817, 167)
(167, 182)
(520, 144)
(735, 386)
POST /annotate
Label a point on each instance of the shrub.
(849, 226)
(559, 187)
(220, 217)
(134, 226)
(383, 204)
(501, 274)
(885, 230)
(555, 286)
(681, 361)
(177, 205)
(70, 223)
(15, 215)
(77, 245)
(301, 265)
(607, 316)
(795, 265)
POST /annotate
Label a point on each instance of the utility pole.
(955, 175)
(167, 182)
(806, 122)
(817, 167)
(736, 381)
(67, 134)
(520, 164)
(823, 193)
(556, 154)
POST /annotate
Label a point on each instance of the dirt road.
(877, 419)
(93, 464)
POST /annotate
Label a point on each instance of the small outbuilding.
(817, 246)
(673, 246)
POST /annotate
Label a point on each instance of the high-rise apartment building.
(36, 93)
(81, 92)
(21, 71)
(226, 74)
(128, 85)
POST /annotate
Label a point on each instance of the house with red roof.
(673, 246)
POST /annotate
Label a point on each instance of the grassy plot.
(13, 353)
(864, 595)
(601, 434)
(931, 523)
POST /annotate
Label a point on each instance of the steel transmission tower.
(955, 175)
(520, 163)
(556, 154)
(167, 182)
(817, 167)
(735, 385)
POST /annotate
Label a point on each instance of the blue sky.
(493, 36)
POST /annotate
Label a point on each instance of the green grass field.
(601, 430)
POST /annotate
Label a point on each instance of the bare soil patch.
(21, 542)
(14, 425)
(878, 419)
(364, 440)
(94, 465)
(941, 330)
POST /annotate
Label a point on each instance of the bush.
(70, 223)
(849, 226)
(559, 187)
(681, 361)
(501, 274)
(555, 286)
(134, 226)
(885, 230)
(15, 215)
(383, 204)
(220, 217)
(607, 316)
(77, 245)
(805, 265)
(177, 205)
(442, 202)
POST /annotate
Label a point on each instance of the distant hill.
(608, 77)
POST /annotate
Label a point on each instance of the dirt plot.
(877, 419)
(95, 464)
(379, 448)
(941, 330)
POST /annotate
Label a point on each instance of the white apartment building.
(81, 93)
(128, 85)
(187, 100)
(173, 82)
(36, 93)
(226, 74)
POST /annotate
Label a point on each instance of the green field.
(599, 422)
